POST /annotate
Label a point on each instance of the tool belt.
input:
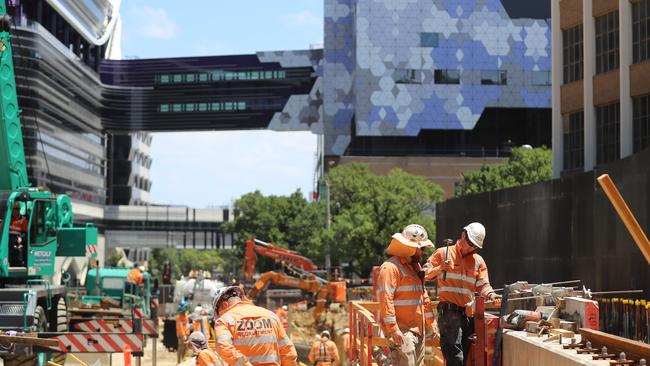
(444, 307)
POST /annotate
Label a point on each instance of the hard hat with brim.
(325, 333)
(406, 243)
(475, 233)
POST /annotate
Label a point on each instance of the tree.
(287, 221)
(525, 166)
(369, 208)
(185, 260)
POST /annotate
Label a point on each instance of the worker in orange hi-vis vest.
(204, 356)
(248, 334)
(182, 330)
(405, 309)
(324, 352)
(283, 313)
(200, 322)
(460, 273)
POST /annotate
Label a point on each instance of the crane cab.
(37, 227)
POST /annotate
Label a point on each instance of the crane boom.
(12, 151)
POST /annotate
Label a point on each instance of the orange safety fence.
(368, 342)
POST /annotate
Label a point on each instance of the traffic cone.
(127, 355)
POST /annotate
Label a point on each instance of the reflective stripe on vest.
(254, 341)
(409, 288)
(229, 319)
(457, 290)
(263, 358)
(457, 276)
(481, 283)
(390, 319)
(241, 361)
(407, 302)
(381, 289)
(284, 342)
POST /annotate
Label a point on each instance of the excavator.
(298, 274)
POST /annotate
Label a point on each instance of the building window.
(407, 76)
(641, 117)
(494, 77)
(607, 42)
(541, 78)
(573, 126)
(428, 39)
(640, 31)
(572, 54)
(607, 133)
(447, 77)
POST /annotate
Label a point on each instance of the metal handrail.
(48, 300)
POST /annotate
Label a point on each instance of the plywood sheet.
(522, 350)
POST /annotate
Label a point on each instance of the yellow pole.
(626, 215)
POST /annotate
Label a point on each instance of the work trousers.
(455, 331)
(411, 353)
(181, 350)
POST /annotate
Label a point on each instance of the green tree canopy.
(185, 260)
(366, 210)
(524, 166)
(369, 208)
(287, 221)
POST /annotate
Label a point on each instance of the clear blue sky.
(201, 169)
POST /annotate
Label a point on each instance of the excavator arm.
(256, 246)
(311, 285)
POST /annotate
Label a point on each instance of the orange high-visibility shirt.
(207, 357)
(202, 324)
(404, 304)
(324, 353)
(135, 276)
(250, 335)
(469, 276)
(182, 325)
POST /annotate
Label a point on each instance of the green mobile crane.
(35, 224)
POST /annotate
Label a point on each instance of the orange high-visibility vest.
(135, 276)
(201, 324)
(207, 358)
(182, 325)
(250, 335)
(403, 302)
(324, 353)
(469, 276)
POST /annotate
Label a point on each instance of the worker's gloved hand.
(397, 337)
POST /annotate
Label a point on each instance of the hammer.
(448, 242)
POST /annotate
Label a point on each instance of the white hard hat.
(226, 293)
(198, 309)
(285, 308)
(475, 233)
(326, 333)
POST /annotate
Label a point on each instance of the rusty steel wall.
(560, 230)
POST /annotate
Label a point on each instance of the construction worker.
(283, 313)
(134, 279)
(182, 330)
(248, 334)
(198, 344)
(404, 304)
(324, 352)
(18, 227)
(466, 274)
(200, 322)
